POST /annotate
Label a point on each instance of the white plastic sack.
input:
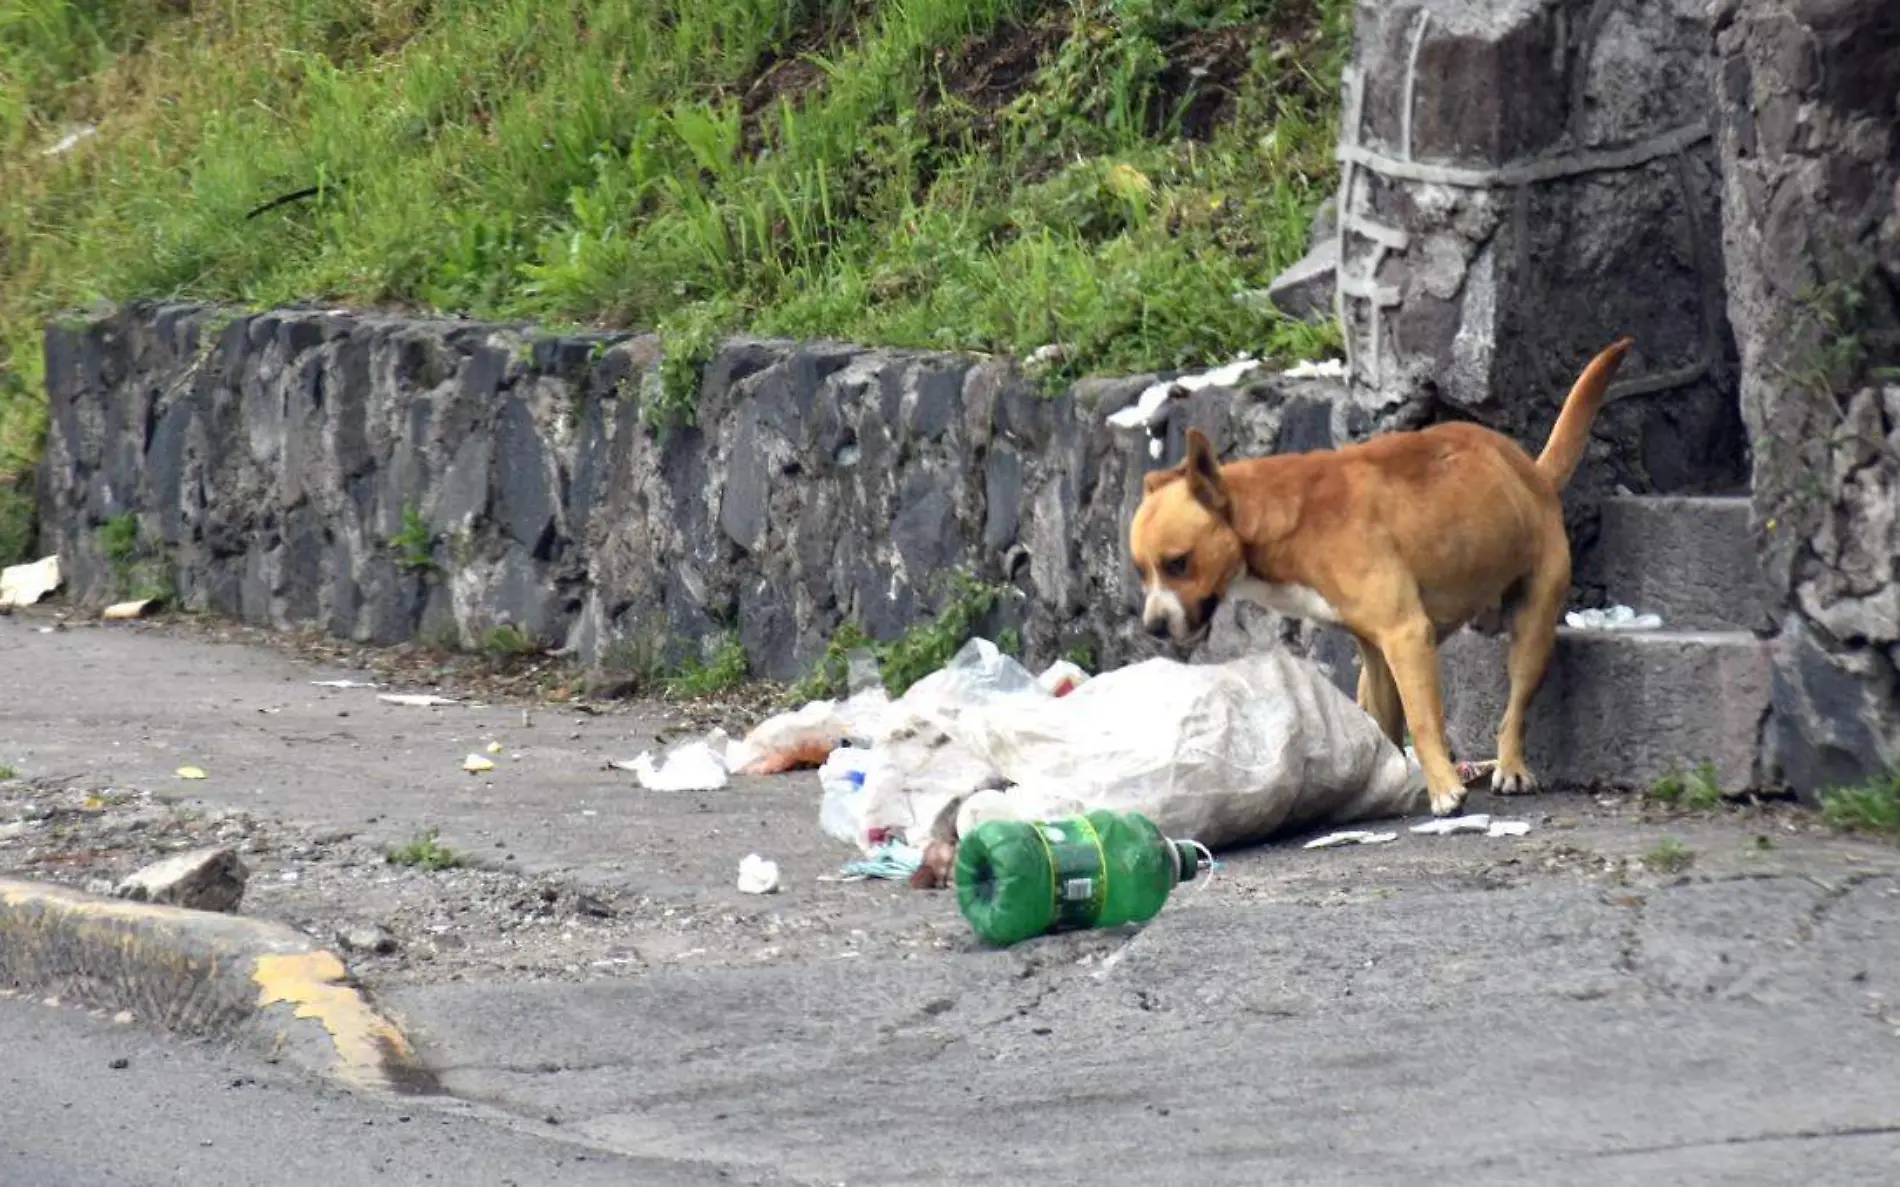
(1227, 754)
(23, 585)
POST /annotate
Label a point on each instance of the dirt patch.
(1208, 67)
(401, 924)
(988, 74)
(789, 75)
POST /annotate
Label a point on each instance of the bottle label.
(1081, 882)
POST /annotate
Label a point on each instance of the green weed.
(727, 669)
(1082, 655)
(1872, 807)
(638, 657)
(7, 773)
(425, 852)
(141, 570)
(909, 658)
(414, 544)
(1669, 856)
(509, 640)
(1699, 788)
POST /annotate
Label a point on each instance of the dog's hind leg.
(1413, 661)
(1533, 636)
(1378, 695)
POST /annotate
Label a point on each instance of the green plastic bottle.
(1020, 879)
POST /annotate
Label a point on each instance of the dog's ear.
(1154, 480)
(1203, 473)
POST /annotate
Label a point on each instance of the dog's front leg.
(1413, 659)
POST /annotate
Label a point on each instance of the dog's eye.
(1176, 566)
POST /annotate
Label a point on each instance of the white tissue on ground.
(1616, 618)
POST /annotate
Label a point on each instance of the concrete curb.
(222, 977)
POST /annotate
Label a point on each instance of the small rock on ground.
(209, 879)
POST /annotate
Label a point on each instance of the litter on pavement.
(1616, 618)
(420, 700)
(1477, 822)
(475, 764)
(893, 861)
(1444, 826)
(190, 773)
(1350, 837)
(1229, 754)
(700, 765)
(757, 875)
(345, 684)
(24, 585)
(122, 611)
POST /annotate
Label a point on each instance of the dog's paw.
(1448, 802)
(1513, 779)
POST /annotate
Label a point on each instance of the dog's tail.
(1565, 448)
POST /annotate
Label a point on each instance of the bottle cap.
(1187, 861)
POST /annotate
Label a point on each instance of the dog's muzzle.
(1164, 617)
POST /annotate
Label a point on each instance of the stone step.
(1690, 560)
(1619, 708)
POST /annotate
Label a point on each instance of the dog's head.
(1184, 546)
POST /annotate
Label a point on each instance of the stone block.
(1520, 185)
(210, 879)
(1305, 290)
(1619, 709)
(1690, 560)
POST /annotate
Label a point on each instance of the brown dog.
(1401, 540)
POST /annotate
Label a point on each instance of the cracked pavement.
(1548, 1009)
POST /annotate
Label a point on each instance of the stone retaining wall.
(388, 479)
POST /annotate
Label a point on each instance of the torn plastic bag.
(1229, 754)
(806, 736)
(921, 764)
(841, 812)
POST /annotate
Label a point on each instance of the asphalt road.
(1544, 1010)
(87, 1103)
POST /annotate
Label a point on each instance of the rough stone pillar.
(1809, 131)
(1522, 181)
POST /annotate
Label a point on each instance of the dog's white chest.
(1294, 601)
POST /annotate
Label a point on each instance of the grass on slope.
(962, 174)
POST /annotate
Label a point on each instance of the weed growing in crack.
(424, 852)
(414, 544)
(727, 670)
(140, 569)
(1698, 789)
(1872, 807)
(510, 640)
(917, 653)
(1669, 856)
